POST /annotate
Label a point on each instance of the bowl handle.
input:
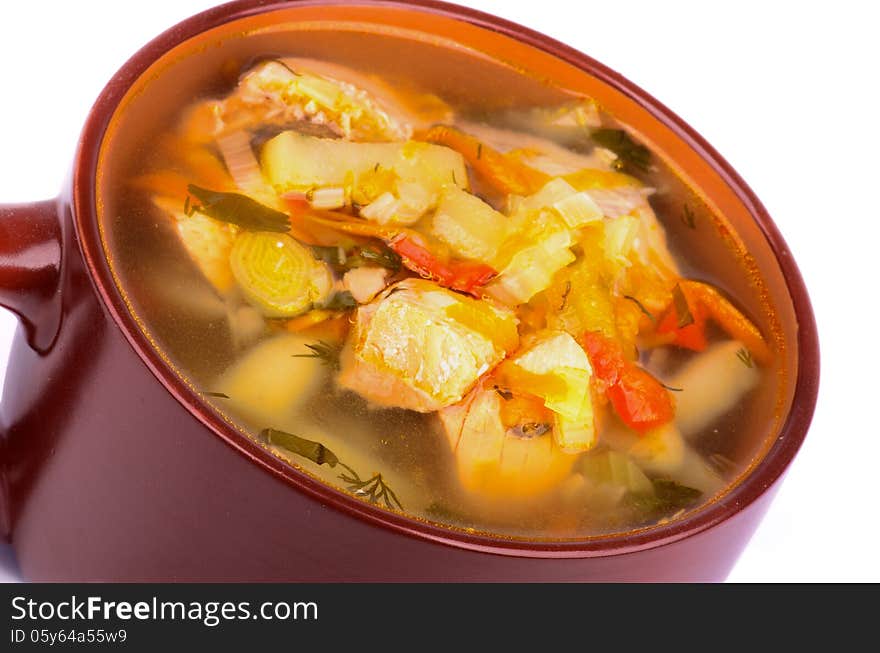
(30, 266)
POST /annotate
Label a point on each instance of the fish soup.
(441, 285)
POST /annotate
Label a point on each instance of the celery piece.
(556, 354)
(556, 369)
(577, 434)
(471, 228)
(295, 162)
(555, 190)
(532, 269)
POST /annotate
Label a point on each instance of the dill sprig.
(326, 352)
(642, 308)
(630, 155)
(289, 69)
(374, 489)
(746, 357)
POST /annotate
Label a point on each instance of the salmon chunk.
(497, 460)
(423, 347)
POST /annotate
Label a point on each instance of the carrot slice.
(706, 302)
(503, 172)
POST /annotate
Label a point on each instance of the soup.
(490, 311)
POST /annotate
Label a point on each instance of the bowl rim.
(757, 481)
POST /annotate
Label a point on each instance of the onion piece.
(382, 209)
(327, 198)
(578, 209)
(712, 383)
(241, 162)
(365, 283)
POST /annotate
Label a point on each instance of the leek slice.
(277, 274)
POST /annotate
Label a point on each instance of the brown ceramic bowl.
(113, 468)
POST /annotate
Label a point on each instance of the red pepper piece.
(638, 398)
(464, 276)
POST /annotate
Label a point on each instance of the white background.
(787, 92)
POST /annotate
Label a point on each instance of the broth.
(504, 440)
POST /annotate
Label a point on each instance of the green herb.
(670, 388)
(479, 151)
(219, 395)
(507, 395)
(334, 256)
(565, 294)
(289, 69)
(337, 257)
(314, 451)
(674, 493)
(341, 301)
(454, 180)
(376, 168)
(746, 357)
(685, 317)
(668, 498)
(375, 255)
(641, 306)
(240, 210)
(630, 155)
(529, 429)
(326, 352)
(188, 210)
(688, 217)
(374, 489)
